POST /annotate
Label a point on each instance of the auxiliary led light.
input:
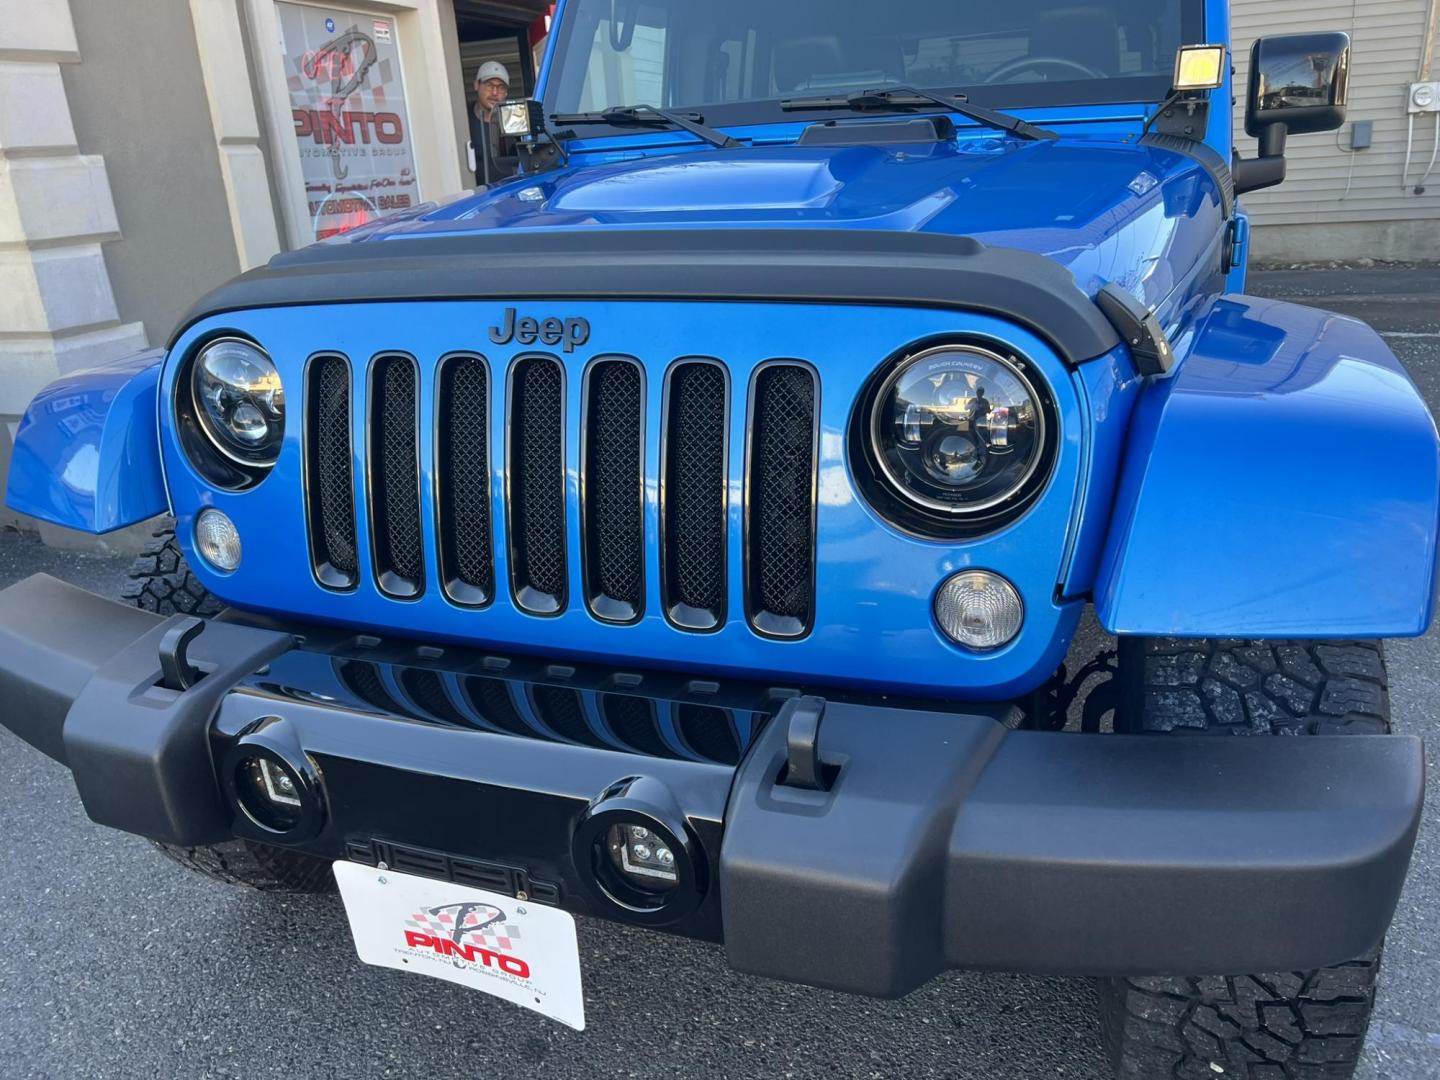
(1199, 67)
(217, 540)
(979, 610)
(520, 118)
(642, 857)
(269, 793)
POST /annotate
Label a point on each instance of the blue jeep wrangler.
(690, 532)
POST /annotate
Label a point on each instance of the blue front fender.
(87, 453)
(1283, 482)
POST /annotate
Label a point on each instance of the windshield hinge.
(1139, 327)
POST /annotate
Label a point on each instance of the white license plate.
(514, 949)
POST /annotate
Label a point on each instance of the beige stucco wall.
(138, 99)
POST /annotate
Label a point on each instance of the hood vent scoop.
(892, 132)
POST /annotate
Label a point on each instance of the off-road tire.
(1290, 1025)
(162, 582)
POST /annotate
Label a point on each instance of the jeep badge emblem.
(548, 331)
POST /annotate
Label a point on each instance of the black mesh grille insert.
(633, 721)
(427, 690)
(537, 485)
(562, 711)
(781, 537)
(491, 699)
(693, 510)
(614, 511)
(709, 732)
(330, 479)
(395, 475)
(466, 555)
(362, 679)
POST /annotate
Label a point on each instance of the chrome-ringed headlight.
(239, 401)
(955, 439)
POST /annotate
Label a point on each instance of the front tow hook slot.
(803, 767)
(176, 671)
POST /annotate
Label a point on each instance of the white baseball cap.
(492, 69)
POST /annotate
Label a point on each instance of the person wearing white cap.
(494, 155)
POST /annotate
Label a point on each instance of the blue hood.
(1109, 211)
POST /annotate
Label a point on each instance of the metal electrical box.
(1424, 97)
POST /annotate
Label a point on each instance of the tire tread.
(1232, 687)
(1291, 1025)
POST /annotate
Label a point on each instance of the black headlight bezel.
(201, 448)
(895, 504)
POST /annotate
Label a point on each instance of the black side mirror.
(1299, 83)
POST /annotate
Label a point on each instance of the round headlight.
(239, 401)
(954, 440)
(957, 430)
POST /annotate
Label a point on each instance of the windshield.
(738, 59)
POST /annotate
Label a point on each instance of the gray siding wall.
(1329, 185)
(138, 98)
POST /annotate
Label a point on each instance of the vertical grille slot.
(395, 476)
(693, 495)
(563, 712)
(612, 505)
(329, 473)
(467, 564)
(491, 699)
(634, 723)
(536, 478)
(780, 493)
(427, 690)
(362, 678)
(709, 731)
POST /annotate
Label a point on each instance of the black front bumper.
(945, 839)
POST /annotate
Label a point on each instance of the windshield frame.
(1010, 97)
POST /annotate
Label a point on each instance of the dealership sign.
(347, 101)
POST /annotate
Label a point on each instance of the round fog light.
(217, 540)
(979, 610)
(268, 793)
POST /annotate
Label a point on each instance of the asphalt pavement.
(116, 963)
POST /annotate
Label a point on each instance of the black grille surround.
(695, 447)
(467, 552)
(431, 509)
(329, 474)
(394, 490)
(780, 498)
(612, 492)
(536, 478)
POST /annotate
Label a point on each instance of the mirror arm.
(1267, 170)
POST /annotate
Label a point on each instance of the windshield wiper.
(893, 97)
(649, 116)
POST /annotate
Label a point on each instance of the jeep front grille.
(467, 560)
(395, 476)
(613, 499)
(690, 538)
(330, 481)
(780, 516)
(537, 485)
(633, 723)
(692, 525)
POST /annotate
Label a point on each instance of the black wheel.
(161, 581)
(1290, 1025)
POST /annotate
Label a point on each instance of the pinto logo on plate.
(467, 933)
